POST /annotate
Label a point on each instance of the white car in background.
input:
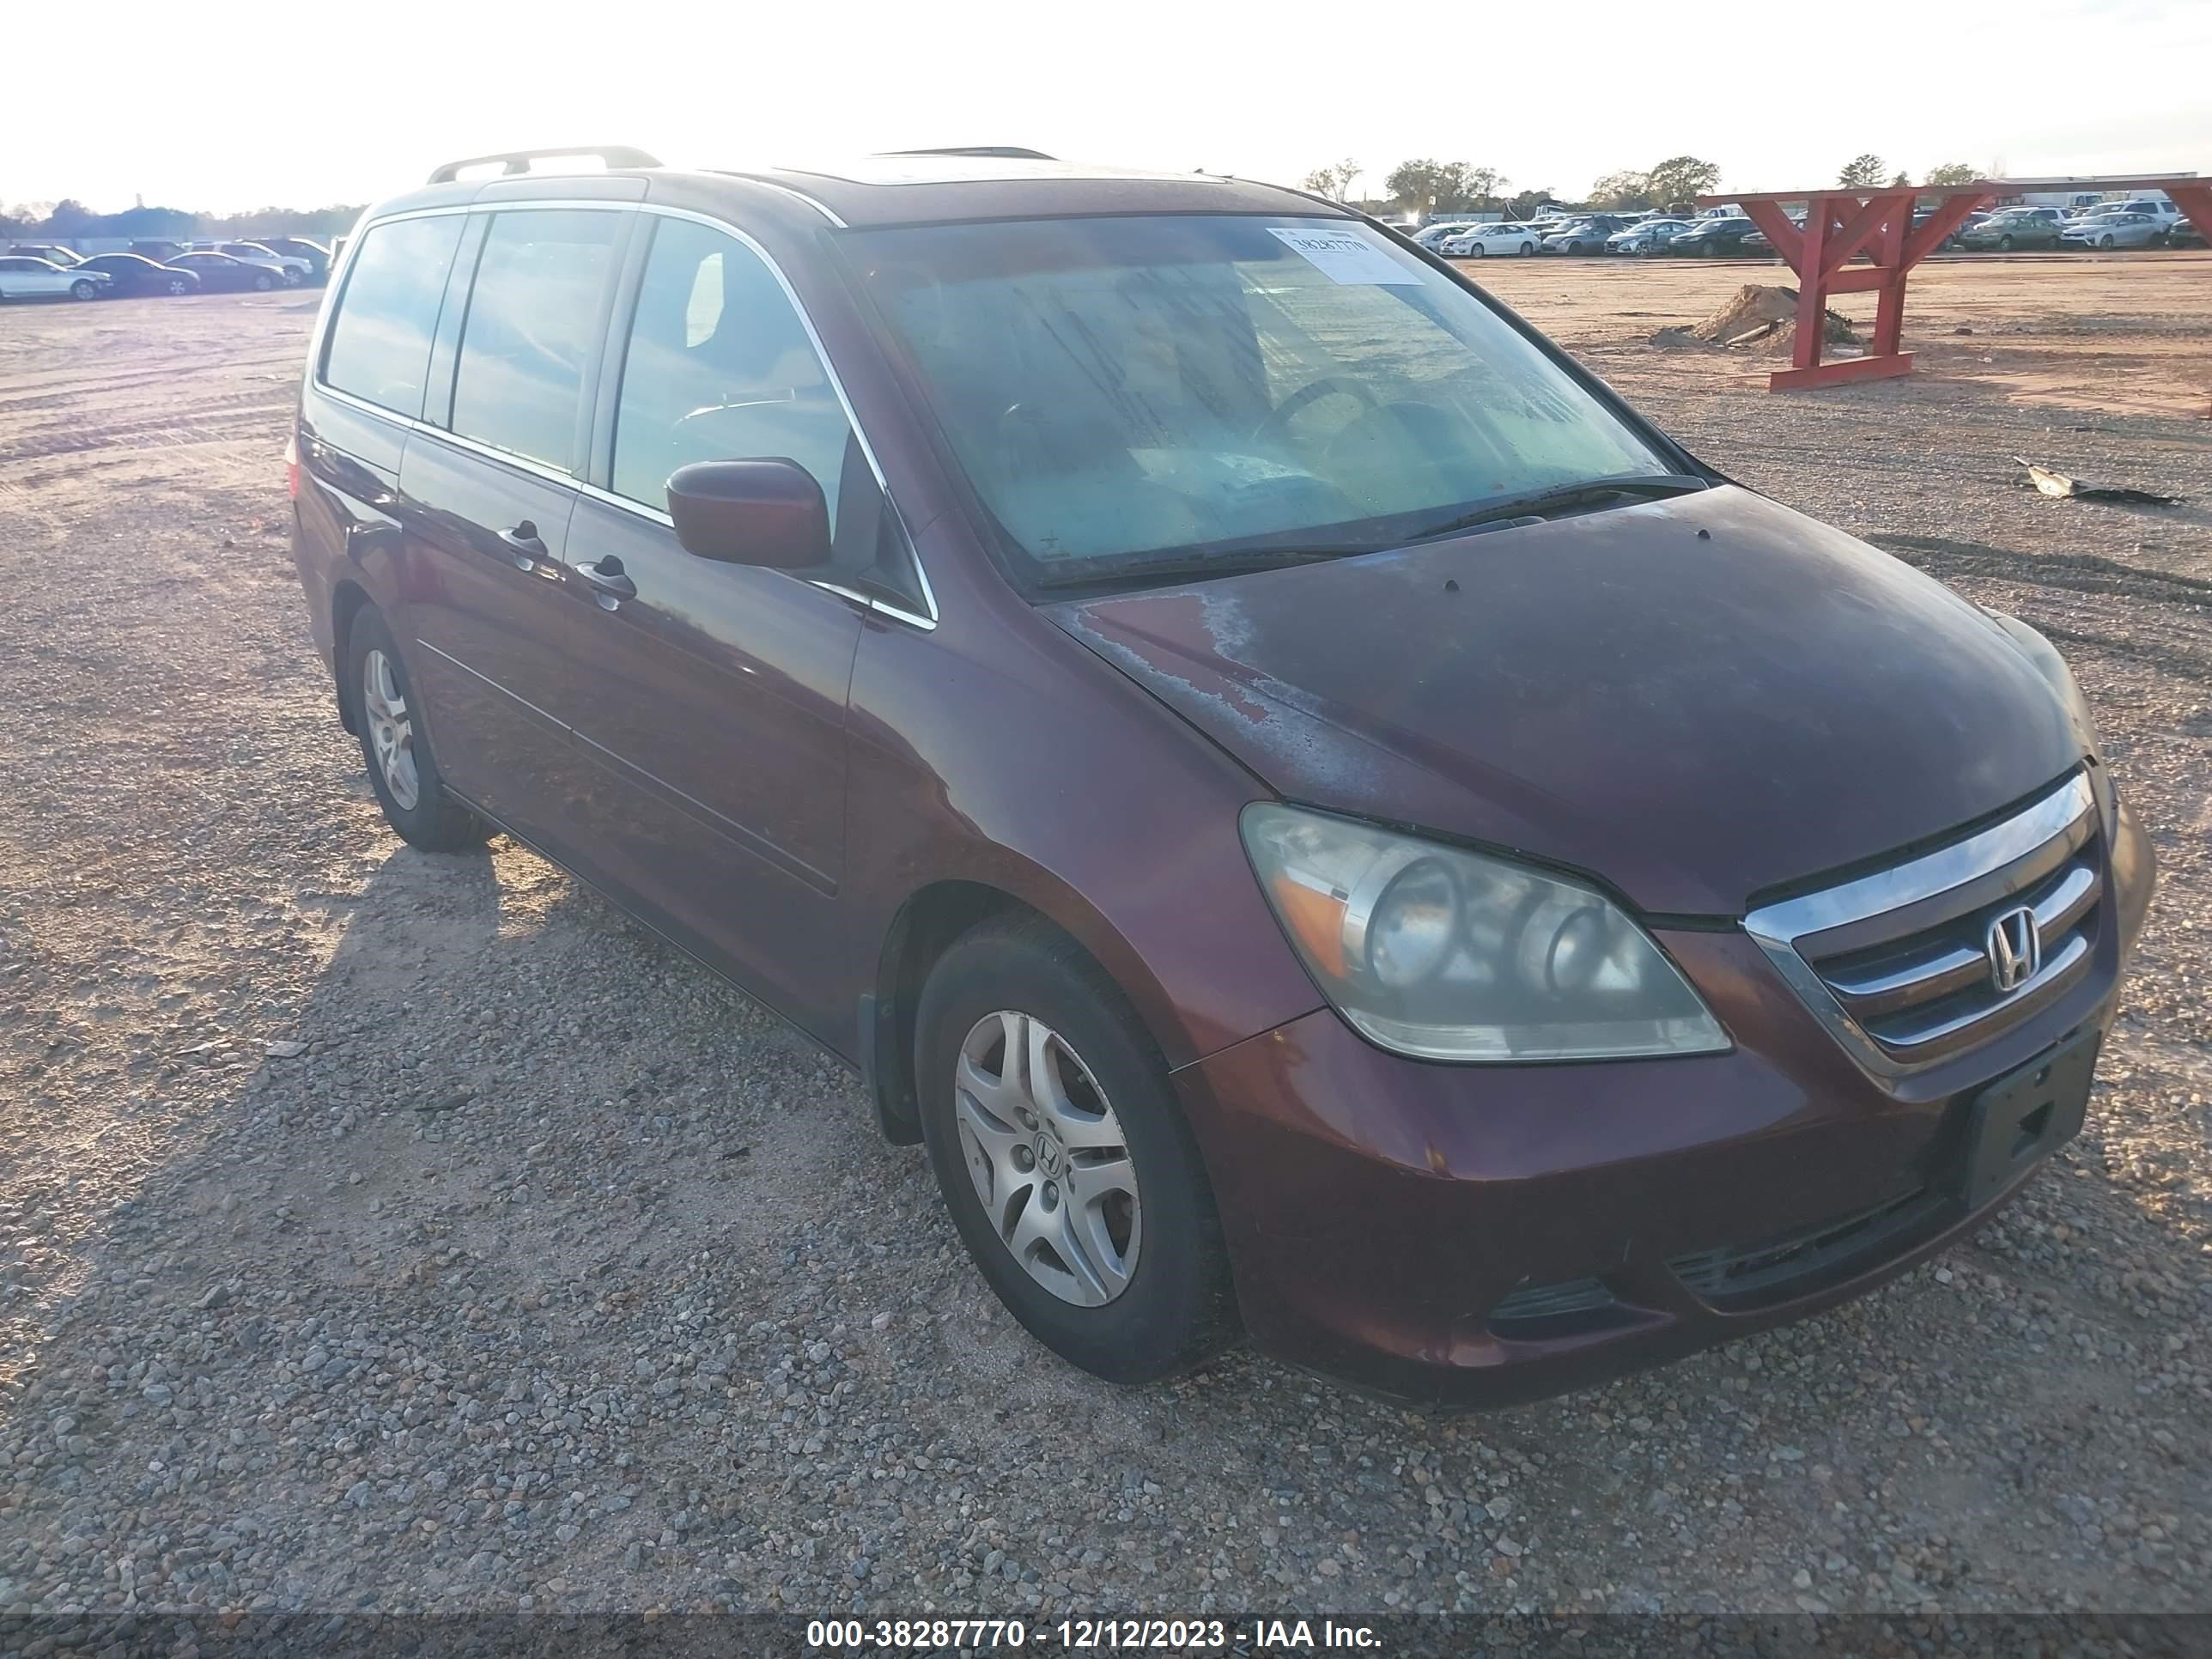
(1495, 236)
(22, 278)
(2159, 208)
(2111, 230)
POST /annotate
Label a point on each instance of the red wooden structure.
(1841, 224)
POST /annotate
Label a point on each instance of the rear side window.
(719, 367)
(380, 342)
(533, 320)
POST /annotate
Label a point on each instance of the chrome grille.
(1900, 962)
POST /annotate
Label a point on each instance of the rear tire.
(263, 282)
(179, 287)
(1123, 1193)
(2004, 244)
(403, 773)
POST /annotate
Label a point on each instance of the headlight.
(1444, 954)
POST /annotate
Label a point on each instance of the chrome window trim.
(323, 387)
(872, 602)
(1776, 928)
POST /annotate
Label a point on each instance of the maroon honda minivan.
(1323, 822)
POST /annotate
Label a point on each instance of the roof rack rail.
(516, 162)
(1003, 152)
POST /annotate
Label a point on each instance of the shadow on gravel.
(552, 1266)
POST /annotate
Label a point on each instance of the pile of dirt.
(1758, 317)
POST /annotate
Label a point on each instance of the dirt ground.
(2128, 335)
(381, 1230)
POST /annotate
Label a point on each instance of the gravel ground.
(394, 1231)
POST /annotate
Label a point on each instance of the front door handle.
(524, 545)
(608, 581)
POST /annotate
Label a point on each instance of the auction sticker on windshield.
(1345, 257)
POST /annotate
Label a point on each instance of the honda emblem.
(2015, 950)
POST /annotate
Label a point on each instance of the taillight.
(292, 465)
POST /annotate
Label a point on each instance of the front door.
(713, 708)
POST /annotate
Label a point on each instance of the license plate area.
(2026, 1116)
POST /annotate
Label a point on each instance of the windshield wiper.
(1536, 503)
(1110, 571)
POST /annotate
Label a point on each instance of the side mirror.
(766, 513)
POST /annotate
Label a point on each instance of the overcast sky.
(240, 103)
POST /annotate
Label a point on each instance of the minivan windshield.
(1128, 394)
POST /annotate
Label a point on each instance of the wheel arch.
(349, 598)
(927, 924)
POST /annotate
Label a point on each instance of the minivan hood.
(1694, 699)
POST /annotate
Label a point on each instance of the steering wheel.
(1272, 427)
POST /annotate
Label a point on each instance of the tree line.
(1427, 187)
(62, 220)
(1422, 187)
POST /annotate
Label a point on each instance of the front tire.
(1527, 247)
(179, 287)
(81, 289)
(263, 282)
(1060, 1153)
(403, 773)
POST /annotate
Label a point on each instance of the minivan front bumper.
(1460, 1236)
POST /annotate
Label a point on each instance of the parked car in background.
(220, 271)
(290, 270)
(133, 273)
(2158, 207)
(1646, 236)
(2183, 232)
(1584, 236)
(157, 249)
(1757, 242)
(2110, 230)
(1433, 237)
(51, 252)
(1707, 238)
(22, 278)
(1957, 237)
(299, 247)
(2016, 228)
(1492, 906)
(1496, 236)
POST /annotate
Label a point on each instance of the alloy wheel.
(391, 729)
(1048, 1158)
